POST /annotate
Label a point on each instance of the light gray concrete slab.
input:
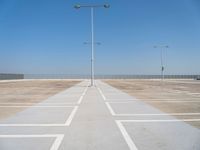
(43, 125)
(93, 126)
(41, 115)
(113, 94)
(143, 131)
(164, 136)
(133, 108)
(33, 143)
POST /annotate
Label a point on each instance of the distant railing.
(7, 76)
(4, 76)
(78, 76)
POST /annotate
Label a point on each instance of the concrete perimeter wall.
(64, 76)
(4, 76)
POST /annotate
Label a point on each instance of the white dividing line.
(55, 145)
(42, 104)
(117, 93)
(36, 106)
(69, 120)
(184, 82)
(128, 139)
(167, 99)
(169, 114)
(83, 94)
(126, 136)
(34, 125)
(194, 93)
(157, 101)
(57, 142)
(118, 99)
(110, 109)
(149, 114)
(102, 95)
(159, 120)
(174, 101)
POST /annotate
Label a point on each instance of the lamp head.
(106, 6)
(77, 6)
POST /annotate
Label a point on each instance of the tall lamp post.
(161, 59)
(92, 7)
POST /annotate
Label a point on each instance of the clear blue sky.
(46, 36)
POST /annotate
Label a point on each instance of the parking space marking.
(54, 146)
(172, 101)
(102, 95)
(158, 100)
(110, 109)
(126, 136)
(36, 106)
(149, 114)
(160, 120)
(83, 94)
(155, 101)
(117, 99)
(41, 104)
(67, 122)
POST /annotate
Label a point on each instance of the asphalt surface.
(96, 118)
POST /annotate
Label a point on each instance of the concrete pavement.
(96, 118)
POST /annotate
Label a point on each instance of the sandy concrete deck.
(28, 93)
(96, 118)
(171, 96)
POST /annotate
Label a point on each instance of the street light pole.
(92, 52)
(92, 60)
(92, 34)
(162, 66)
(161, 60)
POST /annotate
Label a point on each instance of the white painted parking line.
(161, 120)
(163, 99)
(102, 95)
(173, 101)
(54, 146)
(37, 106)
(110, 109)
(83, 94)
(119, 99)
(171, 114)
(67, 122)
(146, 114)
(126, 136)
(164, 117)
(155, 101)
(41, 104)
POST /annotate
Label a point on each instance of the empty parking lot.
(129, 115)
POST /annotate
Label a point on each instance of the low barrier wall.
(66, 76)
(4, 76)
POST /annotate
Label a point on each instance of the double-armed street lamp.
(92, 7)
